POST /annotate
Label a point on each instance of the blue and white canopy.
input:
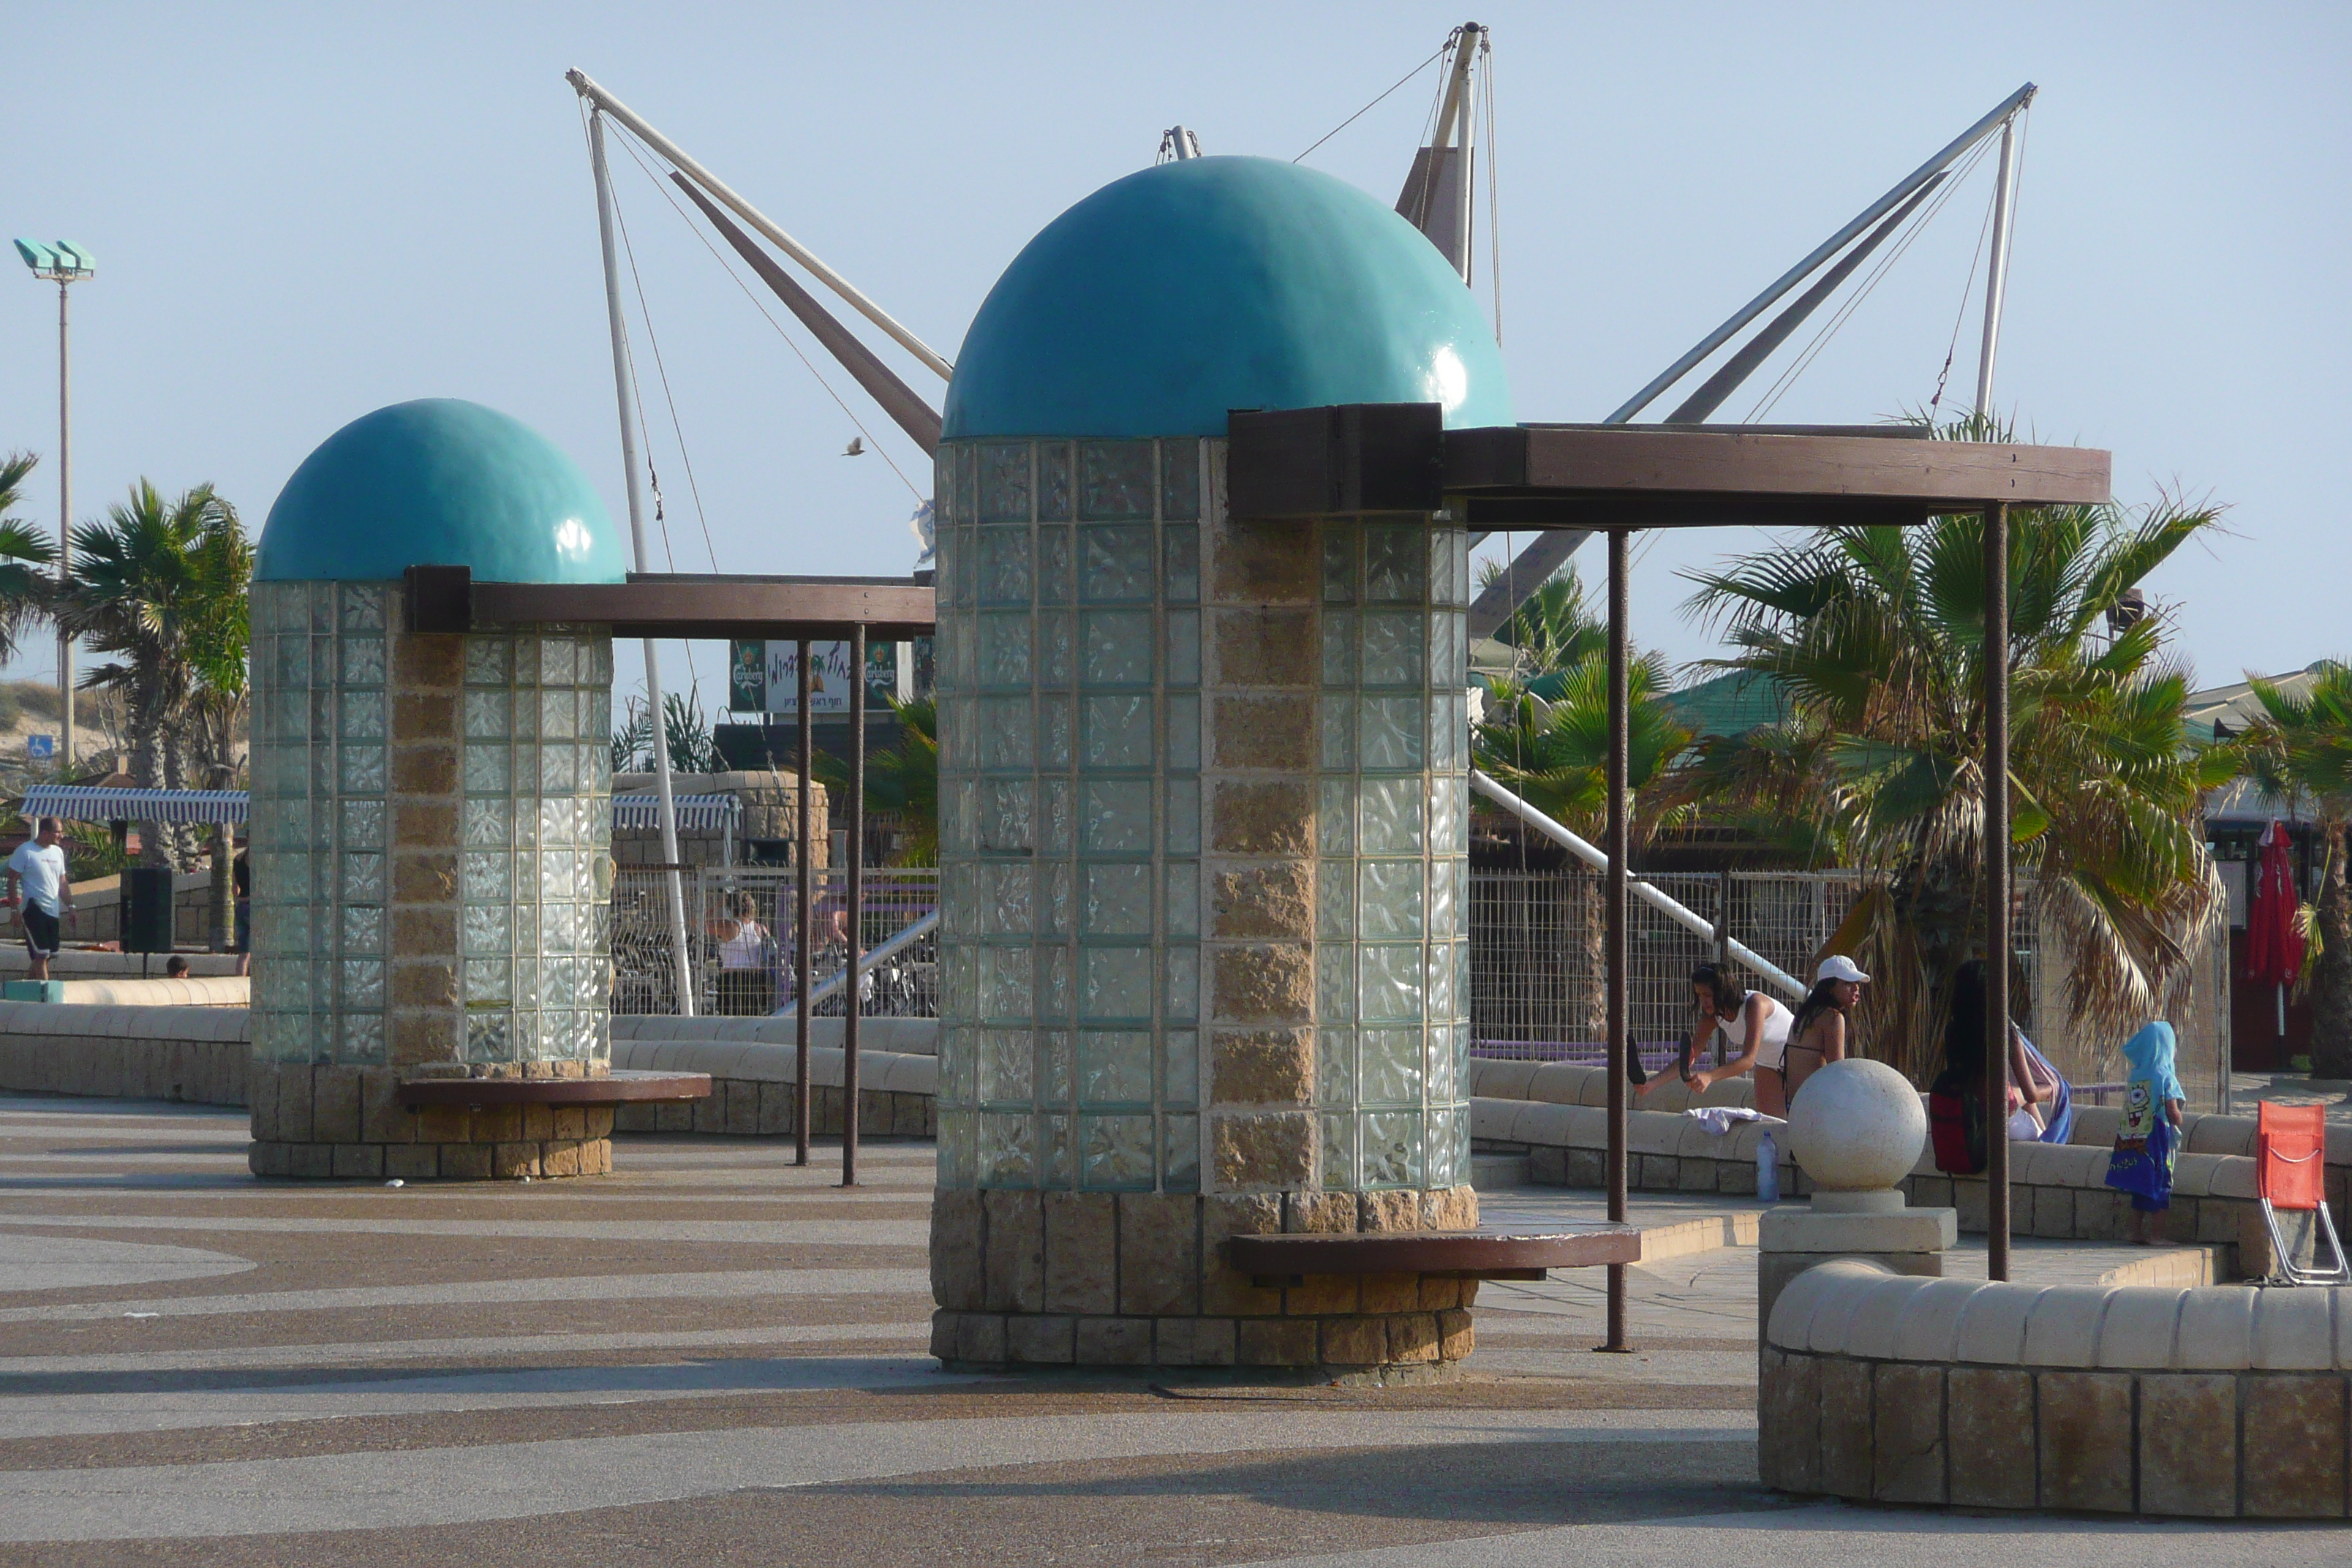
(695, 812)
(82, 802)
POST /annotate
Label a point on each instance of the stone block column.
(431, 886)
(1204, 822)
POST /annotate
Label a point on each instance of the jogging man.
(39, 865)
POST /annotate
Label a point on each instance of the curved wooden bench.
(1288, 1259)
(619, 1088)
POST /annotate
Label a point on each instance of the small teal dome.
(438, 482)
(1170, 297)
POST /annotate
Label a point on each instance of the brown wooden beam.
(447, 599)
(1526, 510)
(1620, 460)
(1363, 456)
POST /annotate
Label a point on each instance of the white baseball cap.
(1838, 966)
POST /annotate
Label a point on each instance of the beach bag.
(2142, 1162)
(1956, 1126)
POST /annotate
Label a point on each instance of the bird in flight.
(856, 448)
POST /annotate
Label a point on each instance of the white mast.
(1997, 280)
(598, 97)
(681, 960)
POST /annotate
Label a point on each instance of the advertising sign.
(766, 677)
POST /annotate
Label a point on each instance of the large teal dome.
(1172, 296)
(438, 482)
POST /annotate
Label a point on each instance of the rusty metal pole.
(803, 847)
(1996, 873)
(1619, 1046)
(856, 903)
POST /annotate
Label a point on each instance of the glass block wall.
(536, 873)
(319, 825)
(1393, 837)
(522, 816)
(1070, 683)
(1069, 673)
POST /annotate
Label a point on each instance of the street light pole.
(65, 527)
(66, 263)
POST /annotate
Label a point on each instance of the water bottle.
(1767, 1168)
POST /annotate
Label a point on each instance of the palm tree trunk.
(2331, 980)
(222, 892)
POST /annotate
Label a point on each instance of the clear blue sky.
(302, 213)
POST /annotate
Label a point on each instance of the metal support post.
(1619, 1047)
(681, 960)
(803, 1101)
(1996, 875)
(857, 904)
(1997, 276)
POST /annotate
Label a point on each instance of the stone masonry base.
(2251, 1444)
(1026, 1279)
(330, 1123)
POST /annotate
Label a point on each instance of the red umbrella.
(2274, 945)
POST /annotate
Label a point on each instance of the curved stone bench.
(2213, 1400)
(161, 991)
(197, 1055)
(752, 1084)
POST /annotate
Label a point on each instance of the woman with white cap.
(1786, 1056)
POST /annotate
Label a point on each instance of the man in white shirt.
(40, 867)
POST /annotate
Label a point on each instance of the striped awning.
(695, 812)
(85, 803)
(82, 802)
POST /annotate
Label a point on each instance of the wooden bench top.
(618, 1088)
(1463, 1254)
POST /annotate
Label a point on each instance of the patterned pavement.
(711, 1356)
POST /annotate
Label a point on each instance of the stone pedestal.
(1857, 1129)
(431, 885)
(1882, 1230)
(1204, 822)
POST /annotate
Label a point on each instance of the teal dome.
(1169, 297)
(438, 482)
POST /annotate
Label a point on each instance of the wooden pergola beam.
(682, 604)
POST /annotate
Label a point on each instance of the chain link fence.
(1537, 984)
(740, 924)
(1537, 980)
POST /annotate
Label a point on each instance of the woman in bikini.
(1747, 1023)
(1817, 1038)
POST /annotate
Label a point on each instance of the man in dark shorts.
(240, 872)
(38, 869)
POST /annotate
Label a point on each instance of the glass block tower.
(1203, 790)
(431, 813)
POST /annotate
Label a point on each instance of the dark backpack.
(1956, 1125)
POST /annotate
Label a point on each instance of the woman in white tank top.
(1761, 1040)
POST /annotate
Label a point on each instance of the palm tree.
(219, 635)
(1553, 628)
(2301, 749)
(904, 780)
(26, 559)
(1552, 752)
(146, 586)
(1877, 637)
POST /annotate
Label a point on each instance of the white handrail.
(840, 977)
(1655, 897)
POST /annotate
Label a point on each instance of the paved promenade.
(710, 1356)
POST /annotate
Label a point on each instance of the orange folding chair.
(2290, 1162)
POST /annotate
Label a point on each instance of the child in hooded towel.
(2149, 1135)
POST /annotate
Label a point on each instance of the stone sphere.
(1857, 1127)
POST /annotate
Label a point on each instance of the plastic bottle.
(1767, 1168)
